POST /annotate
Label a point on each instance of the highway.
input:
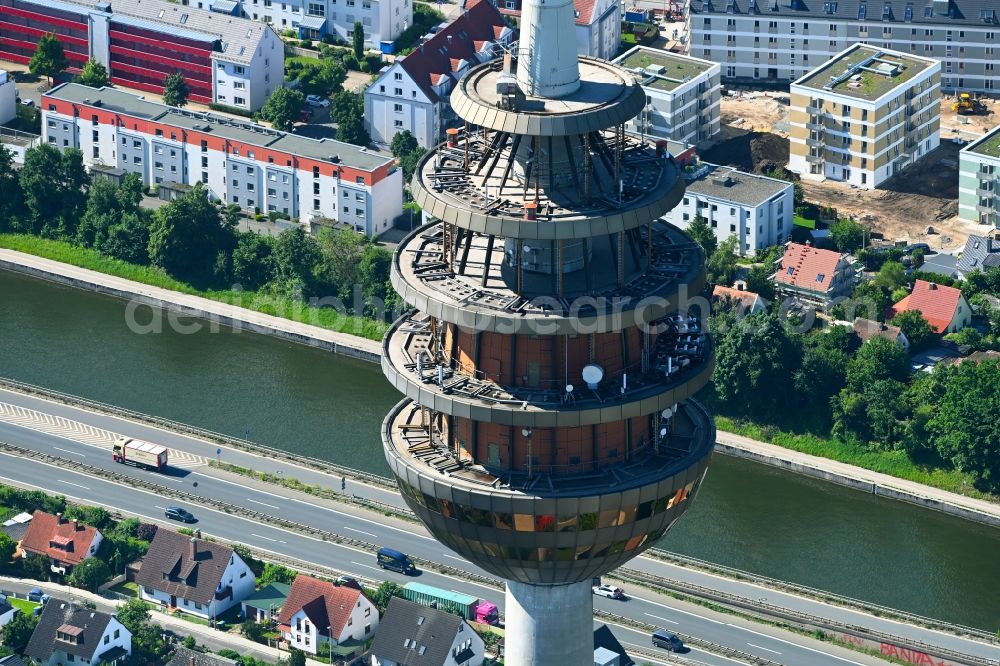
(84, 436)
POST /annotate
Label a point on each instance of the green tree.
(128, 240)
(95, 516)
(348, 110)
(847, 235)
(703, 235)
(53, 183)
(190, 642)
(253, 260)
(275, 573)
(383, 593)
(877, 359)
(821, 375)
(964, 427)
(373, 278)
(36, 567)
(175, 90)
(7, 548)
(17, 632)
(916, 329)
(297, 657)
(341, 250)
(869, 300)
(133, 614)
(49, 59)
(754, 360)
(402, 143)
(358, 40)
(892, 275)
(89, 574)
(94, 74)
(296, 261)
(759, 281)
(282, 108)
(187, 236)
(917, 258)
(11, 199)
(722, 262)
(252, 630)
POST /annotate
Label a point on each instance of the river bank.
(230, 316)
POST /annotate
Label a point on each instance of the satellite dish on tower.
(593, 374)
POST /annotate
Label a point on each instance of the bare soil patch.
(755, 152)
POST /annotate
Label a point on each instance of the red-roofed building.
(812, 274)
(598, 25)
(746, 302)
(412, 94)
(944, 308)
(317, 612)
(65, 542)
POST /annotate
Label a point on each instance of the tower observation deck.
(548, 433)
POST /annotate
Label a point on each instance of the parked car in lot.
(27, 102)
(316, 100)
(177, 513)
(36, 595)
(668, 641)
(609, 591)
(923, 247)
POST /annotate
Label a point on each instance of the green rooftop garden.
(872, 84)
(677, 69)
(990, 146)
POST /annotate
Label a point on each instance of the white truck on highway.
(141, 454)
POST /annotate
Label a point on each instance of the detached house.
(68, 633)
(737, 297)
(814, 275)
(415, 635)
(413, 93)
(943, 308)
(317, 612)
(866, 329)
(192, 575)
(65, 542)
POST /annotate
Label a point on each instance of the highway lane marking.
(368, 566)
(70, 483)
(318, 506)
(798, 645)
(359, 531)
(263, 503)
(663, 619)
(716, 656)
(261, 536)
(761, 647)
(678, 610)
(72, 453)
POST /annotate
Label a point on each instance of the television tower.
(548, 434)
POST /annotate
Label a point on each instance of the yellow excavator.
(966, 104)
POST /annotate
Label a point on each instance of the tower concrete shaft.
(548, 432)
(547, 59)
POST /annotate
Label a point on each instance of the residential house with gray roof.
(415, 635)
(758, 210)
(778, 41)
(981, 253)
(68, 632)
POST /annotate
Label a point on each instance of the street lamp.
(329, 640)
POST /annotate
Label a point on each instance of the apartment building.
(383, 20)
(756, 209)
(412, 94)
(255, 167)
(683, 95)
(779, 41)
(864, 116)
(598, 25)
(224, 58)
(979, 180)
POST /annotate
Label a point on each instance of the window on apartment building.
(315, 204)
(236, 183)
(347, 210)
(398, 76)
(381, 89)
(284, 195)
(360, 180)
(315, 172)
(398, 108)
(158, 165)
(316, 9)
(236, 199)
(239, 85)
(96, 152)
(315, 188)
(52, 140)
(271, 192)
(137, 160)
(204, 176)
(360, 212)
(250, 187)
(239, 69)
(159, 132)
(240, 101)
(397, 123)
(94, 136)
(398, 92)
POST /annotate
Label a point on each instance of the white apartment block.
(412, 94)
(683, 95)
(240, 162)
(778, 41)
(756, 209)
(383, 20)
(598, 25)
(979, 181)
(864, 116)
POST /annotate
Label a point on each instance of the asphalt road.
(350, 521)
(643, 606)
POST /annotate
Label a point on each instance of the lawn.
(278, 306)
(23, 605)
(128, 589)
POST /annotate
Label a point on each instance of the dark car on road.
(668, 641)
(177, 513)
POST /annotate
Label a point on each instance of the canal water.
(747, 516)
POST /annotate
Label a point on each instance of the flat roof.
(244, 131)
(987, 145)
(661, 69)
(239, 36)
(724, 182)
(865, 72)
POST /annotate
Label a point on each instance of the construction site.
(754, 138)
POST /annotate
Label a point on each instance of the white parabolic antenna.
(592, 375)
